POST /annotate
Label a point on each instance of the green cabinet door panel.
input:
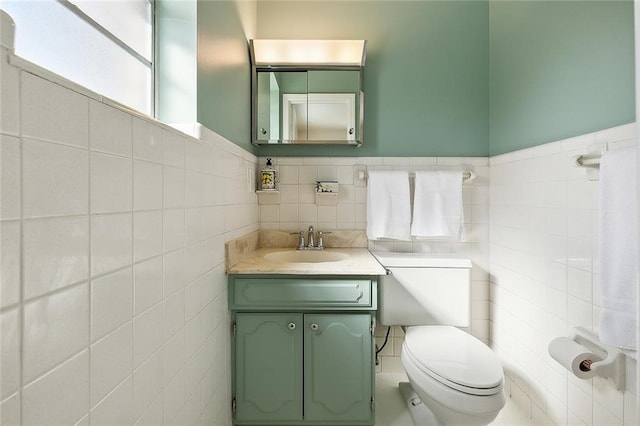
(268, 367)
(338, 368)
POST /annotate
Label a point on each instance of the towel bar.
(468, 176)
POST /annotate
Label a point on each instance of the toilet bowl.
(455, 375)
(454, 378)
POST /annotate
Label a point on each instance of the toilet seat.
(454, 358)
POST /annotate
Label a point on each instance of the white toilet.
(455, 379)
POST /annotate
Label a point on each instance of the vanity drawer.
(301, 293)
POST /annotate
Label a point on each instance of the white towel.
(388, 205)
(618, 248)
(437, 205)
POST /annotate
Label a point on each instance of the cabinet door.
(268, 367)
(338, 368)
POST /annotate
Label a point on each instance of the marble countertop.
(358, 262)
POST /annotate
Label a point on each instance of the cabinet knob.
(292, 326)
(314, 326)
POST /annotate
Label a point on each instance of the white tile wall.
(10, 177)
(111, 188)
(544, 221)
(111, 302)
(55, 253)
(50, 112)
(46, 191)
(10, 367)
(43, 402)
(113, 306)
(10, 256)
(110, 129)
(147, 234)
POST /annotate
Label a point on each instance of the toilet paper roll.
(571, 356)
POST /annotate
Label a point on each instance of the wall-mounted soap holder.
(268, 197)
(327, 192)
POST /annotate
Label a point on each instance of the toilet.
(454, 378)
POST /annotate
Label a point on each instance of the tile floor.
(391, 409)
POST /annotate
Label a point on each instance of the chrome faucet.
(310, 238)
(314, 243)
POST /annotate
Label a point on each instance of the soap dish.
(324, 186)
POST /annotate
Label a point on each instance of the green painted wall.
(558, 69)
(442, 78)
(224, 79)
(426, 76)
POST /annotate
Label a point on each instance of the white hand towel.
(437, 205)
(618, 248)
(388, 205)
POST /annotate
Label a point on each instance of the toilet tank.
(422, 289)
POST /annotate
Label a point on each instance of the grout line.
(21, 318)
(89, 260)
(132, 259)
(163, 325)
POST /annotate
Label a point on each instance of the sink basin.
(304, 256)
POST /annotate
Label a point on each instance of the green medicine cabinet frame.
(303, 349)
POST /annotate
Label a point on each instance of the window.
(104, 45)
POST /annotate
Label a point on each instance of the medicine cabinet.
(307, 91)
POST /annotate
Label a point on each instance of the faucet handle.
(320, 234)
(300, 239)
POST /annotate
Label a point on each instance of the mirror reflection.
(308, 106)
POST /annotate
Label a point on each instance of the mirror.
(310, 106)
(318, 117)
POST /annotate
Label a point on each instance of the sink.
(306, 256)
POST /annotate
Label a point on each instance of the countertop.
(359, 262)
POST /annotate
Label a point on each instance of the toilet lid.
(454, 358)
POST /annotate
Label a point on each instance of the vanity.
(303, 349)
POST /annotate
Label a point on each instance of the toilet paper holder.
(611, 364)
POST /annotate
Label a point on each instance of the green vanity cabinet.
(307, 356)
